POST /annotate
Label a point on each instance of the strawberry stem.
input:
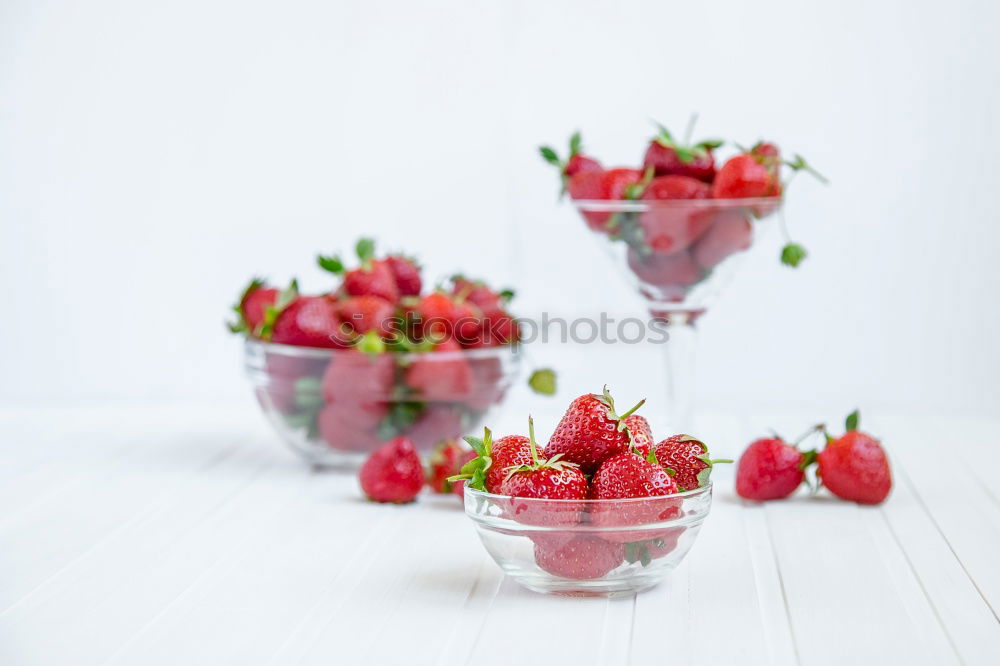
(531, 440)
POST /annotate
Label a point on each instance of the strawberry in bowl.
(376, 357)
(594, 511)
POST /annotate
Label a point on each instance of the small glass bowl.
(588, 547)
(335, 406)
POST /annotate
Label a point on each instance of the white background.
(154, 156)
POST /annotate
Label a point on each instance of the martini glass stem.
(680, 350)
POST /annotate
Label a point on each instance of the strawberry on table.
(393, 474)
(686, 459)
(854, 467)
(591, 431)
(771, 469)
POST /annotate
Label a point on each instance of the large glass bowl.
(588, 547)
(335, 406)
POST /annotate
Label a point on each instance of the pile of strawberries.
(853, 467)
(400, 369)
(673, 248)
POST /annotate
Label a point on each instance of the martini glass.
(678, 255)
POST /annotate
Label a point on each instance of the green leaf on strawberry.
(331, 264)
(550, 156)
(853, 420)
(241, 325)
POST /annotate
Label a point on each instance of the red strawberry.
(582, 557)
(687, 458)
(611, 185)
(575, 163)
(626, 476)
(438, 314)
(393, 473)
(442, 374)
(770, 469)
(407, 274)
(308, 321)
(252, 307)
(744, 176)
(494, 459)
(374, 278)
(590, 431)
(642, 434)
(666, 274)
(367, 313)
(479, 294)
(445, 461)
(551, 479)
(729, 233)
(355, 376)
(667, 157)
(458, 487)
(854, 467)
(672, 228)
(351, 426)
(436, 422)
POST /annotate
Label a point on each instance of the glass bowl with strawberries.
(340, 373)
(601, 509)
(677, 226)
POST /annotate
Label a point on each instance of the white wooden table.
(188, 535)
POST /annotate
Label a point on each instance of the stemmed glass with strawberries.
(677, 226)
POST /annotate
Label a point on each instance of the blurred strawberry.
(445, 460)
(407, 274)
(435, 423)
(367, 313)
(458, 487)
(393, 473)
(440, 315)
(612, 185)
(374, 277)
(668, 157)
(771, 469)
(575, 163)
(434, 377)
(745, 176)
(668, 229)
(663, 270)
(348, 426)
(355, 376)
(729, 233)
(252, 307)
(305, 321)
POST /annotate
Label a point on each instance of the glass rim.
(702, 490)
(643, 205)
(507, 350)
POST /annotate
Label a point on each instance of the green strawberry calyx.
(271, 314)
(474, 471)
(685, 153)
(241, 325)
(609, 402)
